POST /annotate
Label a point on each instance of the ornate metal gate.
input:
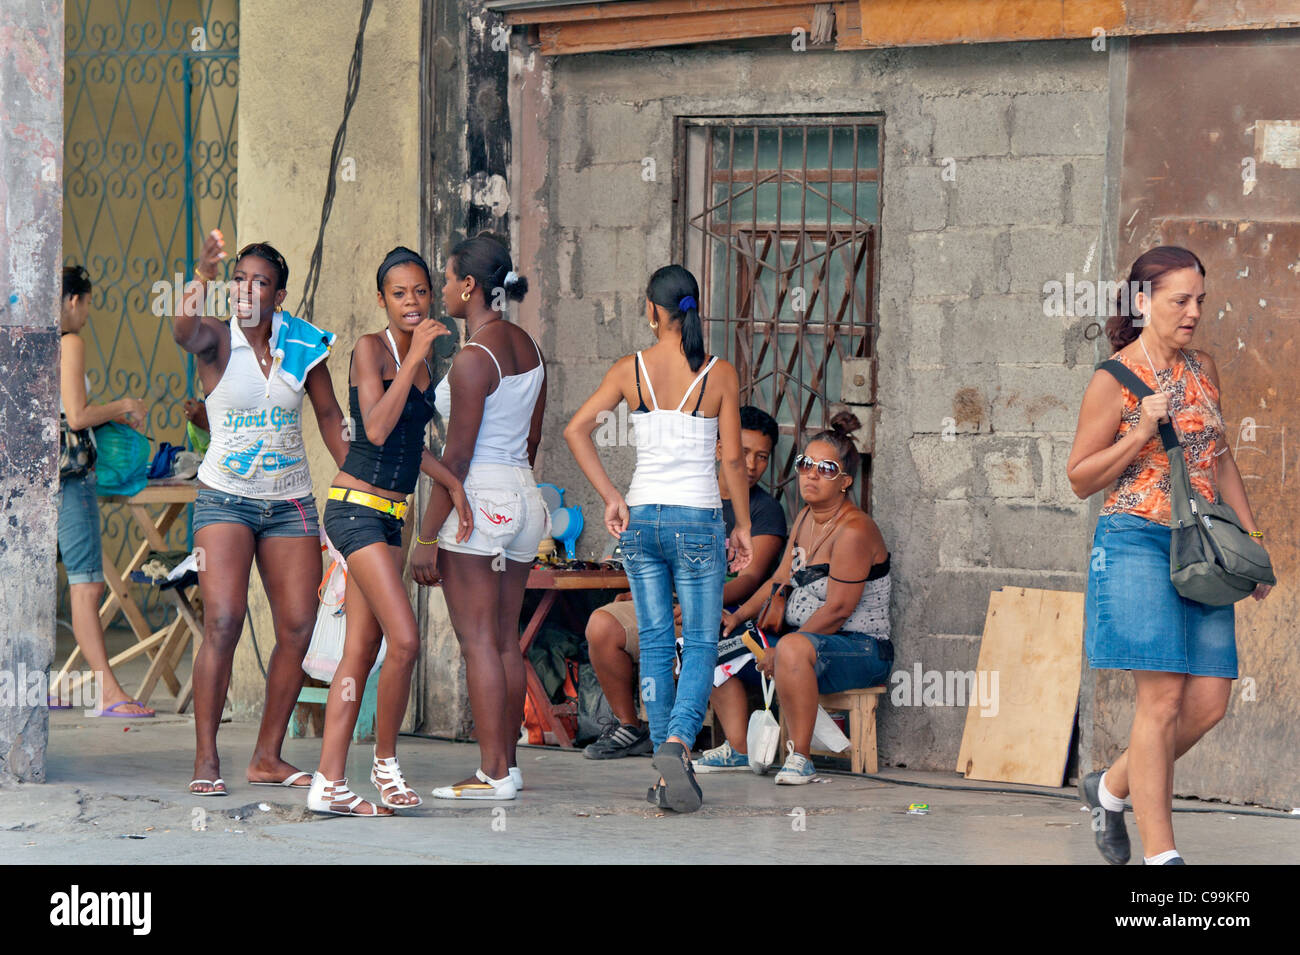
(778, 219)
(151, 92)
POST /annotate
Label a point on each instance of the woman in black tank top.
(390, 401)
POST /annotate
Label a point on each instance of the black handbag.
(77, 450)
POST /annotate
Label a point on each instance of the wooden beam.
(888, 23)
(632, 33)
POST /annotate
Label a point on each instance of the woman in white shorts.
(493, 399)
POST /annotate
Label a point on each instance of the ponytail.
(674, 288)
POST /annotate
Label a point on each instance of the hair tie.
(686, 304)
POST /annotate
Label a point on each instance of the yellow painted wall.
(294, 58)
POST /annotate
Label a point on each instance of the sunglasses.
(827, 469)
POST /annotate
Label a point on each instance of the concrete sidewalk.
(112, 779)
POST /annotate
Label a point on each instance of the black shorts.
(353, 526)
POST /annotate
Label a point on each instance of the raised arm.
(194, 332)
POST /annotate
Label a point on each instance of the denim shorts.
(850, 661)
(292, 518)
(1136, 620)
(510, 516)
(79, 544)
(352, 526)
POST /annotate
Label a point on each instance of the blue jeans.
(667, 548)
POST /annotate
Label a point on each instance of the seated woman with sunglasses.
(835, 577)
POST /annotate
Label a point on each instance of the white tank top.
(256, 423)
(507, 412)
(675, 452)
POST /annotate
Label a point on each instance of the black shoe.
(619, 740)
(655, 796)
(1109, 828)
(681, 791)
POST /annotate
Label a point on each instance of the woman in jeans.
(836, 575)
(670, 526)
(255, 496)
(80, 545)
(493, 398)
(390, 403)
(1183, 654)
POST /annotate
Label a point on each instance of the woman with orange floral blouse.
(1183, 654)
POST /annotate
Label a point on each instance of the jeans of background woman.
(667, 548)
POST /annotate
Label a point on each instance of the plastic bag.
(327, 638)
(764, 734)
(122, 461)
(827, 735)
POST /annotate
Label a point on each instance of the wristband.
(418, 541)
(1256, 534)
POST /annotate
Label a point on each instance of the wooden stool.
(301, 722)
(861, 707)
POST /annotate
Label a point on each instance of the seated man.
(612, 630)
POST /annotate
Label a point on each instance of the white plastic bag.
(827, 735)
(764, 734)
(327, 638)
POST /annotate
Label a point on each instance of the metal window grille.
(778, 217)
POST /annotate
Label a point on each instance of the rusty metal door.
(1214, 166)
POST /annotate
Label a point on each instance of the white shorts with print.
(510, 516)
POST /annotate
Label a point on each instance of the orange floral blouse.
(1143, 487)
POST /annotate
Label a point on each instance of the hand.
(767, 665)
(1261, 591)
(423, 335)
(625, 595)
(210, 255)
(616, 516)
(197, 412)
(134, 413)
(464, 513)
(730, 622)
(740, 549)
(677, 614)
(424, 565)
(1154, 409)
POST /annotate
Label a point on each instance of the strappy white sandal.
(386, 774)
(335, 798)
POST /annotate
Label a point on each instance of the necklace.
(483, 326)
(826, 530)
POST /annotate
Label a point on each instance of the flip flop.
(53, 703)
(109, 712)
(287, 782)
(210, 782)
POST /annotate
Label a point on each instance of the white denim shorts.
(510, 516)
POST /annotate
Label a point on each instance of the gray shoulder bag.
(1212, 558)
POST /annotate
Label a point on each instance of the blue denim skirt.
(1136, 620)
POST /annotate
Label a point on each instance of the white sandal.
(386, 774)
(485, 788)
(335, 798)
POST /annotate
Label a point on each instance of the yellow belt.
(395, 509)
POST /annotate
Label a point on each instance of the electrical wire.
(308, 303)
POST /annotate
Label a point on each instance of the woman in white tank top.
(670, 527)
(493, 399)
(254, 499)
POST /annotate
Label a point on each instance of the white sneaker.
(796, 771)
(517, 778)
(485, 788)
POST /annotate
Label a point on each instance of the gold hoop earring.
(464, 296)
(654, 326)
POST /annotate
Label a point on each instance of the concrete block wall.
(978, 390)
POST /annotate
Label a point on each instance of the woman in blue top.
(670, 527)
(255, 494)
(390, 404)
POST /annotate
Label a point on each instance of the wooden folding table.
(165, 646)
(551, 581)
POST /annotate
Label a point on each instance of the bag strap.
(1129, 379)
(768, 687)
